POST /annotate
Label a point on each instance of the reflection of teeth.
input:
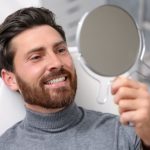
(56, 80)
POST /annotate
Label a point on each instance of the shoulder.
(105, 119)
(10, 134)
(97, 121)
(108, 125)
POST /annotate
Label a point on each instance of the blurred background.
(68, 14)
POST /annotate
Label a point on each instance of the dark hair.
(18, 22)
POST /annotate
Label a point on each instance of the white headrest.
(11, 107)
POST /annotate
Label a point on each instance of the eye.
(35, 57)
(61, 50)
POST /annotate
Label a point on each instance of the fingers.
(126, 105)
(130, 94)
(125, 93)
(125, 82)
(133, 100)
(136, 117)
(127, 117)
(132, 105)
(123, 88)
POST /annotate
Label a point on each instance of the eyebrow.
(59, 43)
(38, 49)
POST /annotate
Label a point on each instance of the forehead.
(36, 36)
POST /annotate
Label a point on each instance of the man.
(34, 61)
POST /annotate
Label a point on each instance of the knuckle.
(125, 81)
(121, 91)
(121, 104)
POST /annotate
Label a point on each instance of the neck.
(54, 122)
(42, 109)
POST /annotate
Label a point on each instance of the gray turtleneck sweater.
(71, 129)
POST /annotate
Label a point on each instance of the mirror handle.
(104, 89)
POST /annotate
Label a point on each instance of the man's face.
(44, 69)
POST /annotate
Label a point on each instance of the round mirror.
(109, 40)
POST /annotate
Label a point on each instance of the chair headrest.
(11, 107)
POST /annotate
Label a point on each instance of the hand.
(133, 100)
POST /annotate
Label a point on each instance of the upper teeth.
(56, 80)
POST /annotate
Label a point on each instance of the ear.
(9, 79)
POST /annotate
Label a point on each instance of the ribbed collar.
(54, 122)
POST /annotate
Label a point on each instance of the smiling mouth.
(56, 80)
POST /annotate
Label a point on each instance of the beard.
(37, 94)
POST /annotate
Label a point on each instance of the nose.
(53, 62)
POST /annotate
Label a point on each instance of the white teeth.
(56, 80)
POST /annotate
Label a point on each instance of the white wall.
(9, 6)
(69, 12)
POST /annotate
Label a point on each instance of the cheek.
(30, 73)
(36, 73)
(71, 67)
(69, 62)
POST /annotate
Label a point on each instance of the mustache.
(56, 73)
